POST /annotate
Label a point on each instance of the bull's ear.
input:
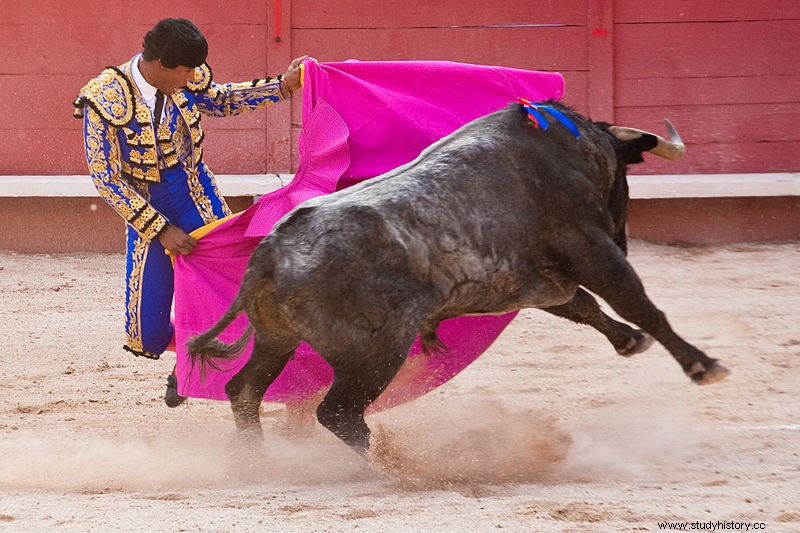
(630, 152)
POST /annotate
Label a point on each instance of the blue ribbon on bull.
(539, 119)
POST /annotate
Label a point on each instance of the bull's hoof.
(637, 345)
(714, 373)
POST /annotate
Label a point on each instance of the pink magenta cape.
(359, 120)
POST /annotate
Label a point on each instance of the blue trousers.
(189, 199)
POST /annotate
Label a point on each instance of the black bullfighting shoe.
(171, 396)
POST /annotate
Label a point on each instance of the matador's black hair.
(175, 42)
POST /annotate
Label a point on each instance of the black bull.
(498, 216)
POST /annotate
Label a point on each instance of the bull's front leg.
(584, 309)
(602, 268)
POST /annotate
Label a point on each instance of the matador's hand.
(176, 241)
(291, 80)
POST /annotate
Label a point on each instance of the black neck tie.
(159, 108)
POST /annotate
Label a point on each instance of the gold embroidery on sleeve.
(106, 169)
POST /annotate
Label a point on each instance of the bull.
(503, 214)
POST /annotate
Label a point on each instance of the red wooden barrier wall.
(727, 73)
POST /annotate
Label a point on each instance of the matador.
(143, 142)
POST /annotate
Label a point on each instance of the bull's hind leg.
(584, 309)
(602, 268)
(360, 376)
(246, 389)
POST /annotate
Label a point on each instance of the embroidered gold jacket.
(125, 152)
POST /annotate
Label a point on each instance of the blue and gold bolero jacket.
(124, 151)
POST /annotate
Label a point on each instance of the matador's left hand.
(291, 80)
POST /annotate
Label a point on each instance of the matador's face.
(171, 79)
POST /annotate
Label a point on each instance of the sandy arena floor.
(549, 431)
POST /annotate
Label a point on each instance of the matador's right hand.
(176, 241)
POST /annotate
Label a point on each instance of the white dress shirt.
(147, 91)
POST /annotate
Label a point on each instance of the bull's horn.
(669, 149)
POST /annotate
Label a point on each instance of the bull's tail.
(206, 347)
(431, 343)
